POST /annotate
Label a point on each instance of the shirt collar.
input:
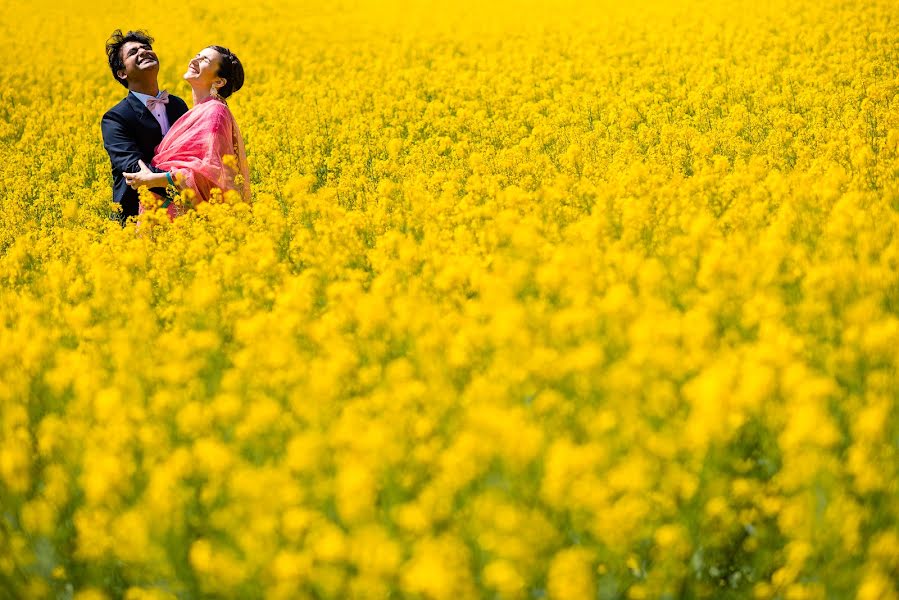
(144, 97)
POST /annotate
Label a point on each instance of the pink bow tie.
(163, 98)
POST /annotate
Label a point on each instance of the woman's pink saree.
(196, 147)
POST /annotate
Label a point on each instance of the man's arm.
(122, 149)
(146, 177)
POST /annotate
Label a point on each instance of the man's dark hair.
(232, 71)
(114, 47)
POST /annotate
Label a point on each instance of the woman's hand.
(144, 177)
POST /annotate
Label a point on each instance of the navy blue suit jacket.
(131, 133)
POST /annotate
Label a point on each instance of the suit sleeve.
(122, 149)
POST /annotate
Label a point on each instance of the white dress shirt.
(158, 111)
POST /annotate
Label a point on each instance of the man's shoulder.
(119, 109)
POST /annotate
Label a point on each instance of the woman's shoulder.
(215, 111)
(221, 108)
(211, 105)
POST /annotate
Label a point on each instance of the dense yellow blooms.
(533, 300)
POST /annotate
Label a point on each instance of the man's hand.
(142, 177)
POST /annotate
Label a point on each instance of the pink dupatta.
(195, 149)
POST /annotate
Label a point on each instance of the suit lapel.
(171, 111)
(141, 111)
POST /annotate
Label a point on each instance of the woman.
(194, 154)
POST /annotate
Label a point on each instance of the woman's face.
(202, 70)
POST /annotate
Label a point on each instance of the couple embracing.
(154, 140)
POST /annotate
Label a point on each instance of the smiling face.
(140, 62)
(202, 70)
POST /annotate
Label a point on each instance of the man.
(134, 127)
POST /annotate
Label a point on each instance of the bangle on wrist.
(168, 176)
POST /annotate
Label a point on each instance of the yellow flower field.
(534, 300)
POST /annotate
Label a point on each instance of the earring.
(215, 92)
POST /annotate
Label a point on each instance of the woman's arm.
(148, 178)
